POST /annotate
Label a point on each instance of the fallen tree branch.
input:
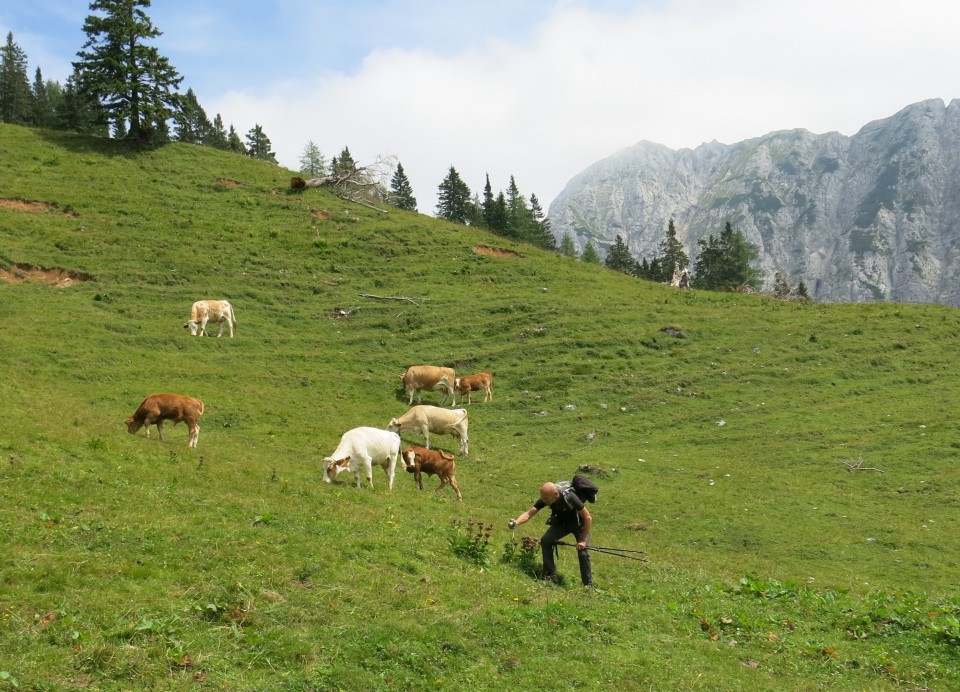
(858, 465)
(412, 300)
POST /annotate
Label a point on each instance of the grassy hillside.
(790, 469)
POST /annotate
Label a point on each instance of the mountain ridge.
(860, 218)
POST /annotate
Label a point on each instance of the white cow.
(216, 311)
(426, 419)
(364, 448)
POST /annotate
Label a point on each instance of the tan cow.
(426, 419)
(418, 460)
(157, 408)
(216, 311)
(420, 377)
(480, 382)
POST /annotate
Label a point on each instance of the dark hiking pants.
(548, 544)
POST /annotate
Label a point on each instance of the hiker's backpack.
(581, 486)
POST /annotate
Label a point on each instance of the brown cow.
(432, 462)
(481, 382)
(420, 377)
(157, 408)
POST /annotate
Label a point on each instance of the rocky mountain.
(871, 217)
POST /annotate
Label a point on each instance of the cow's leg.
(160, 429)
(220, 333)
(392, 468)
(426, 435)
(418, 477)
(453, 482)
(194, 435)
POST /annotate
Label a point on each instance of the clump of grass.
(523, 555)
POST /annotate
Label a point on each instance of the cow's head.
(409, 460)
(192, 325)
(133, 425)
(394, 425)
(332, 467)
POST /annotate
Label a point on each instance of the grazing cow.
(364, 448)
(418, 460)
(157, 408)
(216, 311)
(420, 377)
(481, 382)
(426, 419)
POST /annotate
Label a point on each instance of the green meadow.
(790, 469)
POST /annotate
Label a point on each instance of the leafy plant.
(524, 555)
(471, 541)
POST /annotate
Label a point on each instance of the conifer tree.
(725, 263)
(540, 233)
(16, 99)
(453, 198)
(191, 122)
(234, 143)
(313, 163)
(567, 248)
(488, 206)
(80, 110)
(590, 254)
(519, 219)
(619, 258)
(258, 145)
(344, 162)
(133, 81)
(672, 256)
(802, 290)
(42, 105)
(218, 134)
(401, 192)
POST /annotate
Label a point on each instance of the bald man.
(567, 515)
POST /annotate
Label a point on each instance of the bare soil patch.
(228, 182)
(31, 205)
(56, 276)
(494, 251)
(320, 214)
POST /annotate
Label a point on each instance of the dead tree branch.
(858, 465)
(365, 185)
(412, 300)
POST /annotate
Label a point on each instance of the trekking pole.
(617, 552)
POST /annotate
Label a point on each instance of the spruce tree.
(453, 198)
(488, 206)
(313, 164)
(401, 192)
(343, 163)
(672, 256)
(234, 143)
(540, 234)
(42, 105)
(16, 99)
(81, 110)
(619, 258)
(567, 248)
(590, 254)
(519, 219)
(218, 134)
(726, 263)
(191, 122)
(258, 145)
(133, 81)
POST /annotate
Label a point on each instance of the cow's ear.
(344, 461)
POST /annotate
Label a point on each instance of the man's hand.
(512, 523)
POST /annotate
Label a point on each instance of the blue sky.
(537, 89)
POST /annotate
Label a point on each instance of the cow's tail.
(201, 407)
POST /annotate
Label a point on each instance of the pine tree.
(16, 99)
(133, 81)
(489, 204)
(453, 198)
(234, 143)
(672, 257)
(42, 105)
(313, 163)
(540, 233)
(590, 254)
(401, 192)
(191, 122)
(619, 258)
(802, 290)
(519, 219)
(218, 134)
(258, 145)
(567, 248)
(80, 110)
(344, 162)
(725, 263)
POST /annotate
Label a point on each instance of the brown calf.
(418, 460)
(481, 382)
(157, 408)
